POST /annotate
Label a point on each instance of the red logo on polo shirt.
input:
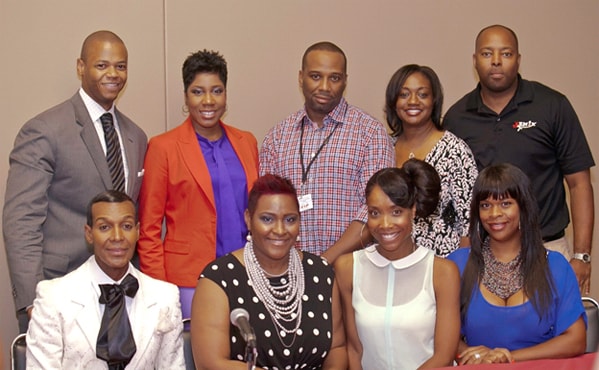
(521, 125)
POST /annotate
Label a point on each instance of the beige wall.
(263, 41)
(40, 42)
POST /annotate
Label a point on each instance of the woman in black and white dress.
(413, 106)
(291, 296)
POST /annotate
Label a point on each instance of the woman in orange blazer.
(197, 177)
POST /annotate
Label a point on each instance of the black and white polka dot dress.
(312, 341)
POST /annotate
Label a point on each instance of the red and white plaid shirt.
(358, 148)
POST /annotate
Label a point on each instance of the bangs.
(497, 185)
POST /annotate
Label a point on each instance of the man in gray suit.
(58, 163)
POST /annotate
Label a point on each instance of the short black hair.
(204, 61)
(325, 46)
(497, 26)
(102, 35)
(108, 196)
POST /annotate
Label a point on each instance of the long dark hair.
(498, 182)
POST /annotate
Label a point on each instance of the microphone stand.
(250, 356)
(251, 353)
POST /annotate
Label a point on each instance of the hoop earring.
(184, 109)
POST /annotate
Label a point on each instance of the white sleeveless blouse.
(395, 308)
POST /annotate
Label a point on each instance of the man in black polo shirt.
(509, 119)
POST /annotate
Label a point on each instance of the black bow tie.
(115, 343)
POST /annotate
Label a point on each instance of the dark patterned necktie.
(113, 153)
(115, 343)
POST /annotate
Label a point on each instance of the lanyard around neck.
(305, 170)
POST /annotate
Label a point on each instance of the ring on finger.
(477, 356)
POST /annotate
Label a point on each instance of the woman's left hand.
(484, 355)
(498, 356)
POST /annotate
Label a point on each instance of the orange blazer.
(177, 188)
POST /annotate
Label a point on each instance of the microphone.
(241, 319)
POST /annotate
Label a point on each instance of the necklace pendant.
(411, 155)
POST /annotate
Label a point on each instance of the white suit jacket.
(65, 323)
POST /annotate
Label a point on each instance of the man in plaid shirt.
(329, 150)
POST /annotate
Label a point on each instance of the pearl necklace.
(283, 302)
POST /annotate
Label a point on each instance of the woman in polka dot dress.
(291, 296)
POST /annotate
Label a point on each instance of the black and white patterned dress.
(455, 164)
(312, 341)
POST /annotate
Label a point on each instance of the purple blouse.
(229, 185)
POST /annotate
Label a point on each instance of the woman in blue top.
(518, 300)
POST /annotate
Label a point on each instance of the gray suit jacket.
(57, 166)
(66, 320)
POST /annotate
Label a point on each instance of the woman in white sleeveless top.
(401, 303)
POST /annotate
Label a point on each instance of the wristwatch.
(584, 257)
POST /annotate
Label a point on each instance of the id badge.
(305, 202)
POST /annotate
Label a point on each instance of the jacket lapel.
(86, 302)
(90, 138)
(131, 154)
(194, 159)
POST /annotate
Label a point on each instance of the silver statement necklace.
(501, 278)
(282, 301)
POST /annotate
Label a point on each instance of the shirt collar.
(94, 109)
(99, 277)
(212, 143)
(524, 93)
(378, 260)
(337, 115)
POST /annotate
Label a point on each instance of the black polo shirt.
(538, 131)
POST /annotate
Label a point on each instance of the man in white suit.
(67, 313)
